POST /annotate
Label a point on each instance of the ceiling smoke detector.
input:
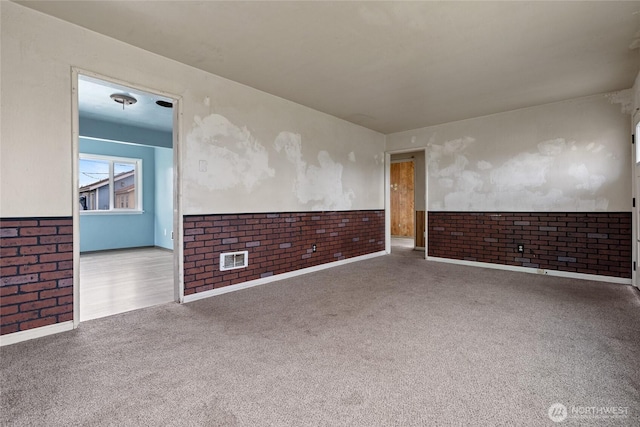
(164, 104)
(124, 99)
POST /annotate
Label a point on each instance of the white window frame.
(112, 199)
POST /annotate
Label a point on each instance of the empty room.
(125, 198)
(319, 213)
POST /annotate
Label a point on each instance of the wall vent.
(233, 260)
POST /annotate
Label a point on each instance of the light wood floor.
(113, 282)
(404, 246)
(403, 242)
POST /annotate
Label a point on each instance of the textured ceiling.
(388, 66)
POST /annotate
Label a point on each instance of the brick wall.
(36, 272)
(277, 243)
(591, 243)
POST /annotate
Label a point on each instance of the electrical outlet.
(520, 248)
(313, 247)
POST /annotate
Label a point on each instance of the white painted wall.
(635, 90)
(259, 153)
(635, 123)
(569, 156)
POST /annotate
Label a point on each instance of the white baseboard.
(30, 334)
(264, 280)
(555, 273)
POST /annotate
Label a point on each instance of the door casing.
(387, 195)
(177, 194)
(635, 185)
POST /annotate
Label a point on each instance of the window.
(110, 184)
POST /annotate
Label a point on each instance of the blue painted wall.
(101, 231)
(164, 197)
(101, 129)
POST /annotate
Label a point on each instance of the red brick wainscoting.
(36, 271)
(277, 243)
(590, 243)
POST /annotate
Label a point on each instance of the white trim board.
(554, 273)
(283, 276)
(34, 333)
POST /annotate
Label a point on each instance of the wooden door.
(402, 199)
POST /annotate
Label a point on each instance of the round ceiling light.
(123, 98)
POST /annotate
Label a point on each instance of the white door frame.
(387, 196)
(178, 279)
(635, 170)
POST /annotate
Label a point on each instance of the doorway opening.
(636, 208)
(407, 197)
(125, 183)
(402, 199)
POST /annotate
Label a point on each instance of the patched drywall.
(278, 164)
(228, 161)
(227, 156)
(319, 184)
(571, 156)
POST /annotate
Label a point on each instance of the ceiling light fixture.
(164, 104)
(124, 99)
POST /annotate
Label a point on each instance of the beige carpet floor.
(394, 340)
